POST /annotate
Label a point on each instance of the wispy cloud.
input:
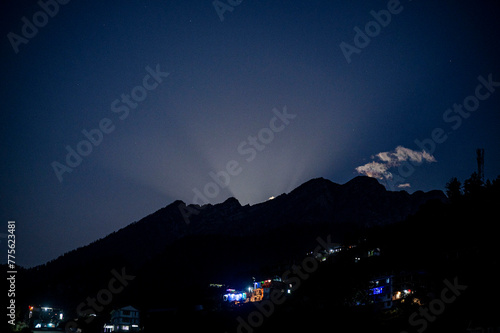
(375, 170)
(384, 161)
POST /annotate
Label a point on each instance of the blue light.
(377, 290)
(235, 297)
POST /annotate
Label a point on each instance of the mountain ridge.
(168, 221)
(233, 237)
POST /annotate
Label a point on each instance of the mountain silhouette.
(222, 242)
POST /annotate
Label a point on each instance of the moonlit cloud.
(374, 170)
(392, 159)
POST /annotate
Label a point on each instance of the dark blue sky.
(195, 96)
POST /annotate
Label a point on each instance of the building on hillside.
(43, 317)
(123, 320)
(373, 252)
(380, 290)
(260, 291)
(406, 284)
(236, 296)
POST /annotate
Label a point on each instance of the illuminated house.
(374, 252)
(407, 283)
(381, 292)
(44, 317)
(257, 295)
(123, 320)
(260, 291)
(235, 296)
(274, 284)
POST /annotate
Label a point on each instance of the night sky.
(158, 98)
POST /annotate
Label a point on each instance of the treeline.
(472, 188)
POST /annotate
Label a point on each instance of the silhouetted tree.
(473, 185)
(493, 187)
(453, 189)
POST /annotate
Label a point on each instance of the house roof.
(128, 308)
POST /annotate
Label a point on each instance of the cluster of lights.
(235, 297)
(50, 317)
(400, 294)
(255, 293)
(378, 290)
